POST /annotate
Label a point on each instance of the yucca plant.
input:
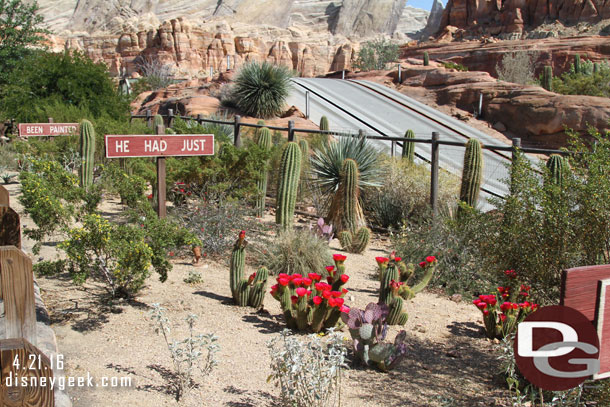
(326, 165)
(261, 89)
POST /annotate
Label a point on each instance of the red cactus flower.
(344, 291)
(344, 278)
(397, 259)
(525, 287)
(297, 275)
(423, 264)
(381, 260)
(307, 281)
(274, 289)
(171, 254)
(251, 278)
(510, 274)
(149, 196)
(301, 291)
(284, 275)
(430, 259)
(503, 317)
(314, 276)
(485, 312)
(332, 302)
(297, 281)
(482, 305)
(317, 300)
(294, 299)
(283, 281)
(344, 309)
(339, 258)
(339, 301)
(336, 293)
(242, 234)
(330, 269)
(181, 190)
(326, 294)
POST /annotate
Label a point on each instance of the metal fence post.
(434, 173)
(291, 130)
(516, 146)
(200, 119)
(393, 151)
(170, 118)
(237, 138)
(343, 74)
(399, 73)
(307, 104)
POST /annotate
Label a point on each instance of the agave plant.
(261, 89)
(327, 163)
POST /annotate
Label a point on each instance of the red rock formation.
(509, 18)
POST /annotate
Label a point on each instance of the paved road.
(354, 105)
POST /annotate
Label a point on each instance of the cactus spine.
(264, 142)
(353, 238)
(290, 170)
(577, 66)
(472, 173)
(250, 292)
(157, 121)
(547, 78)
(87, 152)
(557, 166)
(426, 59)
(408, 149)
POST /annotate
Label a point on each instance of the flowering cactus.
(250, 292)
(405, 271)
(308, 303)
(368, 329)
(395, 287)
(503, 311)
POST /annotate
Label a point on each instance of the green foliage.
(49, 268)
(472, 173)
(131, 188)
(114, 254)
(70, 79)
(588, 80)
(261, 89)
(375, 55)
(456, 66)
(290, 171)
(20, 30)
(403, 196)
(294, 252)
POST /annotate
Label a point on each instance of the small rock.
(499, 126)
(456, 297)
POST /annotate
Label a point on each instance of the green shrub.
(375, 55)
(403, 196)
(456, 66)
(585, 82)
(294, 251)
(261, 89)
(116, 255)
(131, 188)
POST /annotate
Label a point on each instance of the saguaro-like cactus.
(596, 68)
(408, 149)
(324, 123)
(472, 173)
(353, 238)
(304, 146)
(558, 166)
(250, 292)
(290, 171)
(264, 141)
(426, 59)
(394, 288)
(87, 152)
(577, 66)
(547, 78)
(157, 121)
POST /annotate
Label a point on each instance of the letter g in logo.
(552, 346)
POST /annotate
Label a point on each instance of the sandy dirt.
(449, 362)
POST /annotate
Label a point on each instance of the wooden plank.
(4, 197)
(10, 227)
(33, 365)
(17, 282)
(579, 288)
(48, 129)
(602, 325)
(163, 145)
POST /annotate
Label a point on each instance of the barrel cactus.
(324, 124)
(408, 149)
(87, 151)
(368, 329)
(426, 59)
(547, 78)
(353, 238)
(264, 142)
(290, 171)
(472, 173)
(557, 166)
(250, 292)
(394, 288)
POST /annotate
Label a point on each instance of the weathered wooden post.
(161, 182)
(236, 136)
(4, 196)
(200, 119)
(149, 118)
(291, 130)
(170, 118)
(434, 173)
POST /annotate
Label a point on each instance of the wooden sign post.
(586, 289)
(159, 146)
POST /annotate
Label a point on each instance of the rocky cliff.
(509, 18)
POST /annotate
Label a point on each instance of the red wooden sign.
(603, 329)
(48, 129)
(586, 290)
(159, 146)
